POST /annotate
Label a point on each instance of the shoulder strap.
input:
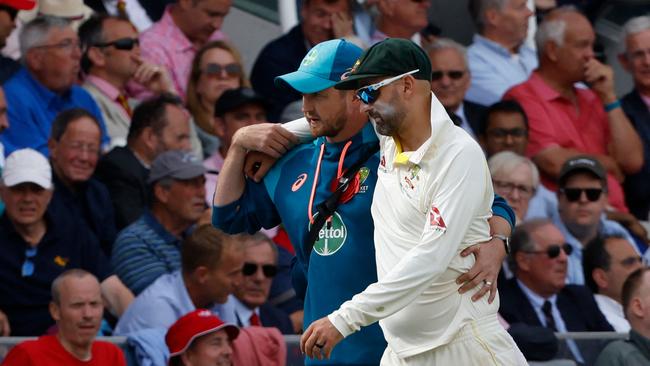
(327, 208)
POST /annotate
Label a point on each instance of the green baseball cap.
(390, 57)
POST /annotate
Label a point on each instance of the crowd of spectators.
(114, 127)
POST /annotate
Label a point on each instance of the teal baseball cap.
(322, 67)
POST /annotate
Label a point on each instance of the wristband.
(613, 105)
(506, 241)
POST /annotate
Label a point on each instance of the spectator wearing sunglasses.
(211, 269)
(217, 67)
(498, 56)
(111, 59)
(607, 263)
(46, 85)
(8, 11)
(450, 80)
(250, 298)
(565, 121)
(38, 245)
(539, 296)
(581, 216)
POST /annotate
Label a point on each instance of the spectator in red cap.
(201, 338)
(8, 11)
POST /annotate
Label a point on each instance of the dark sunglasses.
(28, 266)
(453, 74)
(216, 69)
(553, 251)
(574, 194)
(124, 44)
(269, 270)
(369, 94)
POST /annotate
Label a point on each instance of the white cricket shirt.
(428, 206)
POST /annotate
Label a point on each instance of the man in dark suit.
(283, 55)
(538, 295)
(250, 298)
(158, 125)
(636, 105)
(450, 80)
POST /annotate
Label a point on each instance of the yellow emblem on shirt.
(60, 261)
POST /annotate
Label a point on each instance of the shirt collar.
(243, 312)
(542, 89)
(645, 99)
(642, 343)
(536, 300)
(439, 122)
(43, 92)
(104, 86)
(176, 36)
(494, 46)
(156, 226)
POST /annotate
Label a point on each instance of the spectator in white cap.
(201, 338)
(150, 247)
(38, 246)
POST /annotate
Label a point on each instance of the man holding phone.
(566, 121)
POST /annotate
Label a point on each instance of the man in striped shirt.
(150, 247)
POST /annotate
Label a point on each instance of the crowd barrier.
(294, 358)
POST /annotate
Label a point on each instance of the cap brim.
(303, 82)
(231, 329)
(186, 172)
(16, 180)
(20, 5)
(352, 82)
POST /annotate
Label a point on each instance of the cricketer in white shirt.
(428, 206)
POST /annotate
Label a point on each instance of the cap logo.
(310, 58)
(582, 161)
(355, 66)
(189, 158)
(204, 313)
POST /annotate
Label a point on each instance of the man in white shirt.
(607, 262)
(432, 200)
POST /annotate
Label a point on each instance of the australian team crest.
(364, 173)
(310, 58)
(332, 236)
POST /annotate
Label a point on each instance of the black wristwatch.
(506, 241)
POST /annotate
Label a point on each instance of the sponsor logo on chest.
(332, 236)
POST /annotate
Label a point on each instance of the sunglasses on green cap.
(370, 93)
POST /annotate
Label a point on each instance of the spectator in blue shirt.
(151, 246)
(211, 270)
(46, 85)
(498, 57)
(582, 199)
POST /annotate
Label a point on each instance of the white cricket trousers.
(483, 342)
